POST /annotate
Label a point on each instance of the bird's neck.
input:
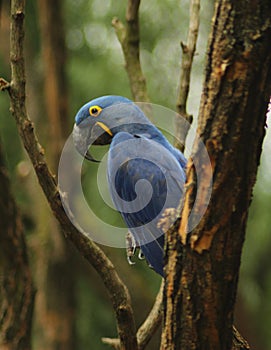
(151, 132)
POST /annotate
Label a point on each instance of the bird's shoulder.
(143, 149)
(134, 157)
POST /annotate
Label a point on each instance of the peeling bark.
(203, 265)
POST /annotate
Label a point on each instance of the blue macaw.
(145, 173)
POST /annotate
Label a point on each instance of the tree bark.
(117, 290)
(16, 285)
(203, 265)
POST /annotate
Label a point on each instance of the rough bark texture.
(16, 286)
(117, 291)
(203, 265)
(149, 326)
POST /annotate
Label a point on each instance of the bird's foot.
(141, 255)
(130, 261)
(130, 247)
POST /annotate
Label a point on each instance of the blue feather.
(146, 174)
(165, 177)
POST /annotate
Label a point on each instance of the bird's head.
(100, 119)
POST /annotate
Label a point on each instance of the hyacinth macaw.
(145, 173)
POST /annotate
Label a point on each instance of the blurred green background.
(95, 67)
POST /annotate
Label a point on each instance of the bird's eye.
(94, 111)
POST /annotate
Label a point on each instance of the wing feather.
(144, 179)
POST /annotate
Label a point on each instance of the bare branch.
(129, 37)
(113, 342)
(118, 292)
(188, 50)
(132, 11)
(238, 342)
(148, 328)
(152, 322)
(4, 85)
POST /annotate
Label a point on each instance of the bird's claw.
(130, 247)
(129, 259)
(150, 266)
(141, 255)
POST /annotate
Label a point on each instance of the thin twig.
(118, 292)
(149, 326)
(152, 322)
(129, 37)
(113, 342)
(4, 85)
(238, 342)
(188, 52)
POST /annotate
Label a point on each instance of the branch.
(113, 342)
(188, 52)
(148, 328)
(152, 322)
(129, 37)
(238, 342)
(4, 85)
(94, 255)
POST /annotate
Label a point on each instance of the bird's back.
(145, 179)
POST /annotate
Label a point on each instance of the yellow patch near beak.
(105, 128)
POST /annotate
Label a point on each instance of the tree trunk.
(55, 307)
(55, 81)
(16, 286)
(203, 265)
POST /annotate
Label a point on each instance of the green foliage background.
(96, 67)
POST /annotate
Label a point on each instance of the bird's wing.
(144, 179)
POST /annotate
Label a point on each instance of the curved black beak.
(89, 157)
(81, 142)
(83, 137)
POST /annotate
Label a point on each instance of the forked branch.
(188, 52)
(94, 255)
(149, 326)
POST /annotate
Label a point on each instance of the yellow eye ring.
(94, 111)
